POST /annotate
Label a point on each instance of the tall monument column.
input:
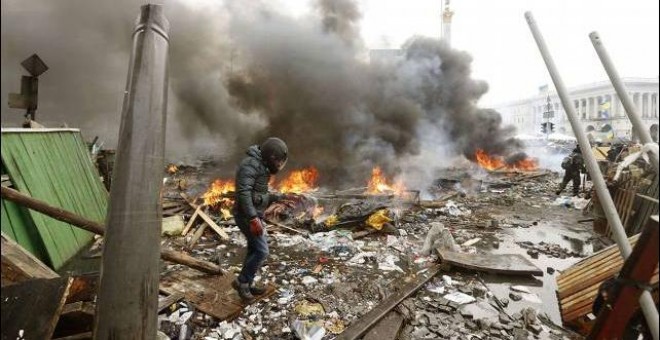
(447, 13)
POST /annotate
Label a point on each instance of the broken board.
(387, 328)
(32, 308)
(19, 265)
(360, 326)
(211, 294)
(511, 264)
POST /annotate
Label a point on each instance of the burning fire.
(300, 181)
(497, 163)
(217, 196)
(172, 169)
(378, 184)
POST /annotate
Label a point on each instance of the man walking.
(573, 166)
(252, 198)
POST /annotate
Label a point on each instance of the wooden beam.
(386, 329)
(191, 221)
(98, 228)
(362, 325)
(223, 234)
(198, 233)
(169, 300)
(280, 225)
(19, 265)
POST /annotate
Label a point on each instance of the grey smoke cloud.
(240, 72)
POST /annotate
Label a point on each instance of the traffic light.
(552, 127)
(544, 128)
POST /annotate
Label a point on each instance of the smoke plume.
(242, 72)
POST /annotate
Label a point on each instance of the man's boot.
(243, 290)
(257, 290)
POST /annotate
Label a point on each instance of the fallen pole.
(638, 125)
(646, 300)
(99, 229)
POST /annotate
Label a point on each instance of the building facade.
(597, 105)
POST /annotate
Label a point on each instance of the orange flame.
(300, 181)
(216, 196)
(378, 184)
(172, 169)
(497, 163)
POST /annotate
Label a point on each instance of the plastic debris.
(361, 258)
(460, 298)
(308, 330)
(387, 264)
(378, 219)
(309, 280)
(471, 242)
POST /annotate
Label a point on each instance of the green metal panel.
(54, 166)
(17, 224)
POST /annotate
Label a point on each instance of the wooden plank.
(191, 221)
(362, 325)
(511, 264)
(223, 234)
(19, 265)
(210, 294)
(169, 300)
(198, 233)
(639, 267)
(611, 260)
(599, 273)
(583, 300)
(33, 307)
(580, 265)
(386, 329)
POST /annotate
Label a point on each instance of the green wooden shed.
(52, 165)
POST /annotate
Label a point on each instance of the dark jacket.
(252, 177)
(577, 163)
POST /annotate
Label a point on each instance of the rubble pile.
(339, 267)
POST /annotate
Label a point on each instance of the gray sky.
(505, 55)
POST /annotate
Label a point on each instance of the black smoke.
(240, 72)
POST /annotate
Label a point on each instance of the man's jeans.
(257, 251)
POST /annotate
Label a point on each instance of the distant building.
(597, 105)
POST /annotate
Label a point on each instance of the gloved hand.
(256, 227)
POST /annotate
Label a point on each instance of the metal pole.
(638, 125)
(128, 291)
(645, 300)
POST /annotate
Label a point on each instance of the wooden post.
(128, 292)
